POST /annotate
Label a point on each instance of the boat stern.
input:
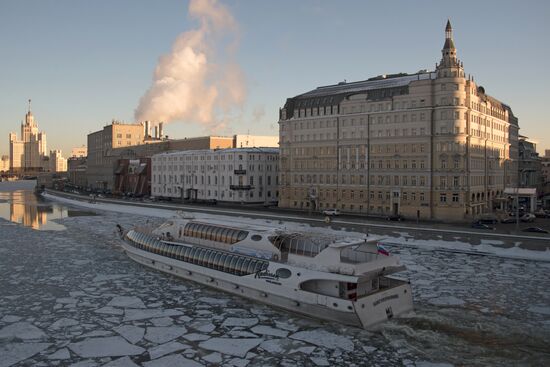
(385, 304)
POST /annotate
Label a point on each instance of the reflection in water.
(24, 207)
(19, 204)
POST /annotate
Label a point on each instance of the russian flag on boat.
(382, 250)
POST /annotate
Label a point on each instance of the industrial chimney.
(156, 132)
(147, 129)
(161, 130)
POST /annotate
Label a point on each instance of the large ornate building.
(28, 154)
(431, 145)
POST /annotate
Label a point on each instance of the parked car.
(331, 212)
(508, 220)
(395, 217)
(528, 217)
(478, 225)
(535, 229)
(487, 219)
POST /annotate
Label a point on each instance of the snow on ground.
(487, 247)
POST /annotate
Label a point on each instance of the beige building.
(57, 162)
(5, 163)
(432, 145)
(79, 152)
(101, 143)
(251, 141)
(27, 154)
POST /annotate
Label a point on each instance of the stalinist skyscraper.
(27, 154)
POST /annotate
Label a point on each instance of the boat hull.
(366, 312)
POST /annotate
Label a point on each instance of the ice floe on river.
(73, 298)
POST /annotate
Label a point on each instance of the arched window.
(226, 263)
(216, 260)
(239, 264)
(242, 235)
(233, 264)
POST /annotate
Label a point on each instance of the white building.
(241, 175)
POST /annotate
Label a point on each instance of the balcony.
(240, 187)
(240, 172)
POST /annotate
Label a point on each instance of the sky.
(84, 63)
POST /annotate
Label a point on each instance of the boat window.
(283, 273)
(204, 256)
(199, 254)
(179, 252)
(211, 258)
(207, 232)
(233, 265)
(239, 265)
(256, 237)
(215, 260)
(244, 265)
(213, 233)
(224, 235)
(226, 263)
(173, 251)
(216, 234)
(194, 230)
(251, 266)
(185, 254)
(242, 235)
(220, 262)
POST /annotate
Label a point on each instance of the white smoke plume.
(198, 81)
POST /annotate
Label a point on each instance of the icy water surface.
(73, 298)
(19, 204)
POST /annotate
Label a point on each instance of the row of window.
(191, 156)
(214, 233)
(214, 259)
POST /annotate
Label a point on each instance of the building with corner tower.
(429, 145)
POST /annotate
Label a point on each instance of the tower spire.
(449, 43)
(449, 65)
(29, 105)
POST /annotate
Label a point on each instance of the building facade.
(57, 162)
(257, 141)
(100, 165)
(76, 171)
(27, 154)
(243, 175)
(530, 165)
(431, 145)
(5, 163)
(79, 151)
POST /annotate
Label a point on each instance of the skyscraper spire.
(29, 105)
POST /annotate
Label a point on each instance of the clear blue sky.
(85, 62)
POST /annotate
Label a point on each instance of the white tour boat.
(332, 278)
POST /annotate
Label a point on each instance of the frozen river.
(70, 297)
